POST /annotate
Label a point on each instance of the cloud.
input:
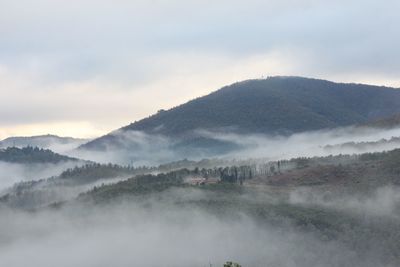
(123, 60)
(12, 173)
(99, 105)
(305, 144)
(138, 148)
(383, 202)
(157, 231)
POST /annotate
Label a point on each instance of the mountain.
(53, 142)
(277, 105)
(30, 155)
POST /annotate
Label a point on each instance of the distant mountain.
(48, 141)
(29, 155)
(277, 105)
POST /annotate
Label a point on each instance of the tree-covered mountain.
(277, 105)
(48, 141)
(30, 155)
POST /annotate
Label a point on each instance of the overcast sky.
(85, 67)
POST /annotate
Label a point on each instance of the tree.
(232, 264)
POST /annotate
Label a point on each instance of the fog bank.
(157, 231)
(11, 173)
(138, 148)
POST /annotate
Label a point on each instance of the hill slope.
(52, 142)
(277, 105)
(384, 123)
(31, 155)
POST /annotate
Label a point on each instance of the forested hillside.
(277, 105)
(32, 155)
(42, 141)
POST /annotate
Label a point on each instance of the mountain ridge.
(276, 105)
(47, 141)
(30, 154)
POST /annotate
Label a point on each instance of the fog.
(156, 231)
(57, 144)
(383, 202)
(11, 173)
(65, 148)
(138, 148)
(50, 191)
(133, 148)
(306, 226)
(307, 144)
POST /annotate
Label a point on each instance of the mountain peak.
(275, 105)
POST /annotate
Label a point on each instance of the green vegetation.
(232, 264)
(281, 105)
(139, 185)
(41, 141)
(351, 173)
(93, 172)
(232, 201)
(32, 155)
(387, 122)
(364, 172)
(258, 191)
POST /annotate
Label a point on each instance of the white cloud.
(111, 62)
(98, 105)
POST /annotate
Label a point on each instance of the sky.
(84, 68)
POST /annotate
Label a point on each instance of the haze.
(84, 68)
(199, 133)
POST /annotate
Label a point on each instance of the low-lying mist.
(133, 148)
(61, 145)
(138, 148)
(383, 202)
(257, 226)
(49, 191)
(11, 173)
(178, 228)
(308, 144)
